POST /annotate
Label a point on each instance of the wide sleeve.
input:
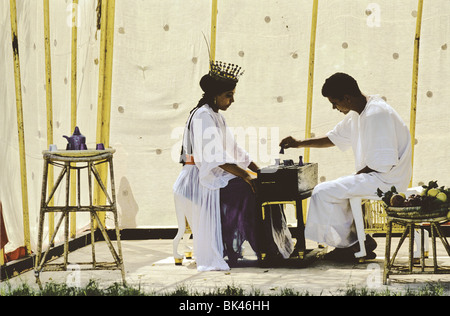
(209, 148)
(379, 141)
(240, 156)
(340, 135)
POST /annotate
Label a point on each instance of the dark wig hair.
(339, 85)
(211, 88)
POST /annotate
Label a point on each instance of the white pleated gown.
(197, 188)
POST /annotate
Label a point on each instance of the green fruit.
(442, 197)
(433, 192)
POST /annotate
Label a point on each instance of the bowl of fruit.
(432, 202)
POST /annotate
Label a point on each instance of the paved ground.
(149, 264)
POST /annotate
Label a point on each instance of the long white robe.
(197, 188)
(380, 140)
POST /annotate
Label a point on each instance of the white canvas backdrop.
(159, 57)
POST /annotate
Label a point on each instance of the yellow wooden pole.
(2, 257)
(101, 81)
(213, 29)
(412, 123)
(104, 90)
(73, 110)
(106, 116)
(49, 99)
(312, 54)
(20, 125)
(73, 99)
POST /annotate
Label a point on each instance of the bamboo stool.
(434, 224)
(76, 160)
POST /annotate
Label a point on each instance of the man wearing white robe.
(381, 145)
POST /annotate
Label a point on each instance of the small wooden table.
(299, 231)
(69, 160)
(434, 224)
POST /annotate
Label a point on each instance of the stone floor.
(149, 264)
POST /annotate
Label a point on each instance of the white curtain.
(160, 55)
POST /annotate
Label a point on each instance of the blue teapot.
(77, 141)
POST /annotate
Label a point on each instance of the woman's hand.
(251, 181)
(241, 173)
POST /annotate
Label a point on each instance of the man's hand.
(289, 142)
(317, 142)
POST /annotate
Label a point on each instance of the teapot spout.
(66, 137)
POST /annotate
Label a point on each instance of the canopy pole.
(213, 29)
(73, 111)
(312, 52)
(20, 125)
(73, 96)
(49, 99)
(412, 123)
(104, 90)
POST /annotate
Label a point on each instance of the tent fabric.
(160, 54)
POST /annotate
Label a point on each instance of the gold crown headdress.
(222, 71)
(225, 71)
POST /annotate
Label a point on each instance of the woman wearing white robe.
(381, 145)
(214, 165)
